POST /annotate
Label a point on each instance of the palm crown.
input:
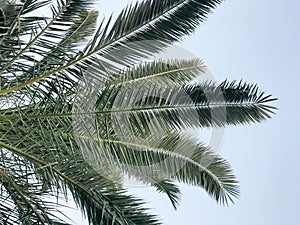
(80, 106)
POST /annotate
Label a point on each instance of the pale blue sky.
(257, 41)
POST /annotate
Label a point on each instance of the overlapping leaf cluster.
(79, 107)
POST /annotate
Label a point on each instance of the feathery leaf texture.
(82, 104)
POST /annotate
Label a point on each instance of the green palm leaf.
(152, 105)
(177, 158)
(163, 13)
(88, 188)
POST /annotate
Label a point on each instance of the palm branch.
(80, 106)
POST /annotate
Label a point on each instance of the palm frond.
(157, 23)
(172, 157)
(59, 165)
(177, 71)
(88, 189)
(168, 15)
(149, 106)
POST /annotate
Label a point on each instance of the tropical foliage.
(80, 105)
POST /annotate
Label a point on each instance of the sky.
(257, 41)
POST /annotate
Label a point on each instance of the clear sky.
(257, 41)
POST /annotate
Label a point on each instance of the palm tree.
(81, 105)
